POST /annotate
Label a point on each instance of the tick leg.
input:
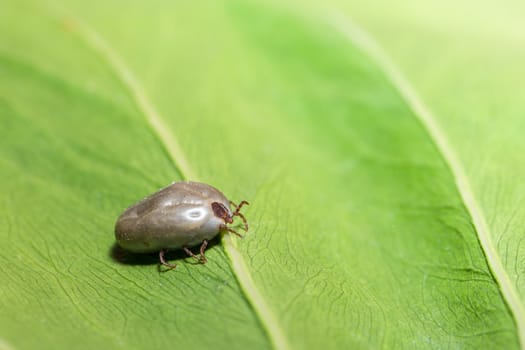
(238, 207)
(226, 228)
(202, 258)
(239, 214)
(190, 253)
(243, 220)
(164, 262)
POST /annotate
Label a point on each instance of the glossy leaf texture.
(360, 234)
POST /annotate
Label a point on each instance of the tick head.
(222, 212)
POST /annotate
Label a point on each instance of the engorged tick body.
(181, 215)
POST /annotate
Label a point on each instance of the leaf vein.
(139, 96)
(369, 46)
(266, 317)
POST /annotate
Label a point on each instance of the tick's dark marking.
(222, 212)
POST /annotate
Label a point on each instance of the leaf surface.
(360, 236)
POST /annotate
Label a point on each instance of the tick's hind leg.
(202, 258)
(164, 262)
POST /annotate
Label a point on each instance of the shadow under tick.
(124, 257)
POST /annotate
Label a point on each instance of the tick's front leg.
(226, 228)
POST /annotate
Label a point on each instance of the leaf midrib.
(240, 269)
(365, 42)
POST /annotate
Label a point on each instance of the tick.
(179, 216)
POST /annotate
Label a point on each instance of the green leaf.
(385, 194)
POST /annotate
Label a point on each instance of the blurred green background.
(380, 145)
